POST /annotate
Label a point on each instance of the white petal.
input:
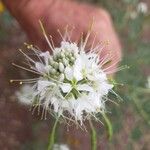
(104, 88)
(84, 87)
(78, 64)
(40, 67)
(25, 95)
(66, 87)
(46, 56)
(55, 103)
(69, 73)
(78, 70)
(78, 75)
(43, 84)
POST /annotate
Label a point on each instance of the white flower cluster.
(141, 8)
(71, 83)
(60, 147)
(148, 82)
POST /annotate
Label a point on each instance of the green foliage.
(136, 133)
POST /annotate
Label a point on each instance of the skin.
(56, 14)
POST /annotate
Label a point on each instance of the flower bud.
(53, 71)
(52, 63)
(55, 56)
(61, 67)
(62, 54)
(56, 65)
(72, 59)
(50, 60)
(65, 62)
(61, 77)
(57, 73)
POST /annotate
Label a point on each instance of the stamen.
(51, 38)
(112, 65)
(25, 69)
(27, 56)
(66, 33)
(88, 34)
(93, 42)
(61, 35)
(45, 35)
(117, 69)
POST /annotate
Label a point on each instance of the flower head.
(72, 83)
(148, 82)
(142, 8)
(60, 147)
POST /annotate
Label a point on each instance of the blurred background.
(130, 122)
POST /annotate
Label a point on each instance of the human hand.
(56, 14)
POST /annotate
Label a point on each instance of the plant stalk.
(52, 136)
(93, 136)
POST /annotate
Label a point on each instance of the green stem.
(109, 126)
(93, 136)
(139, 89)
(140, 109)
(52, 136)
